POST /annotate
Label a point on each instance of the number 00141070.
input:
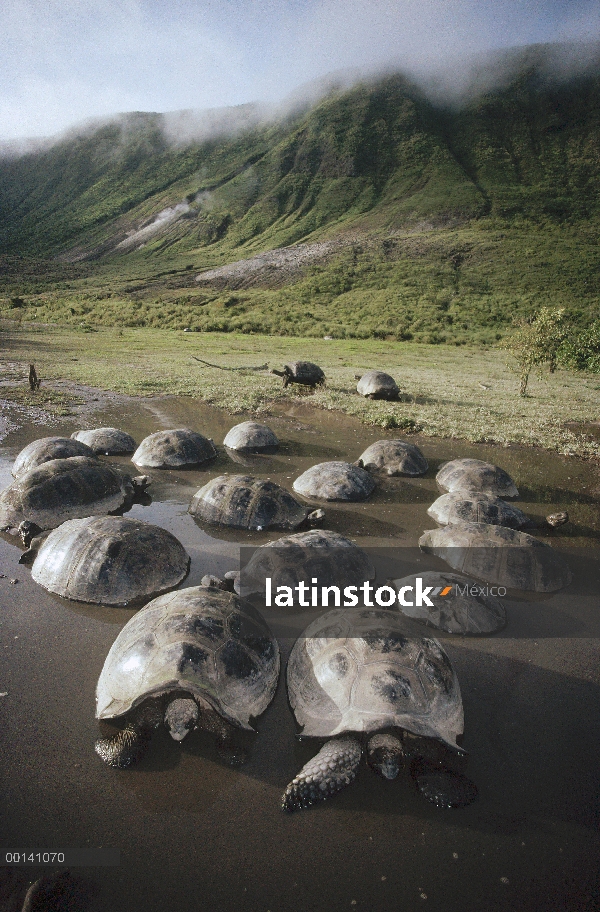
(34, 858)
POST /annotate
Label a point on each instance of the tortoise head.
(181, 717)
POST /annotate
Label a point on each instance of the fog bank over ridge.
(443, 83)
(65, 61)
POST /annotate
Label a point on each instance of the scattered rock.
(557, 519)
(210, 580)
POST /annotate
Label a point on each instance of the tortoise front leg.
(226, 735)
(333, 768)
(128, 746)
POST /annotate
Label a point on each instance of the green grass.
(450, 221)
(446, 223)
(50, 400)
(460, 286)
(443, 390)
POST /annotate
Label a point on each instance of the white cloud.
(66, 60)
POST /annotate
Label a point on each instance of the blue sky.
(62, 61)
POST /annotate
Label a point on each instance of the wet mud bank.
(194, 834)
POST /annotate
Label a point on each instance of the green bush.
(581, 350)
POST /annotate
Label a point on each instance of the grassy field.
(442, 223)
(460, 286)
(459, 392)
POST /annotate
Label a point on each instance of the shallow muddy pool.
(194, 834)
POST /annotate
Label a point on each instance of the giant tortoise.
(353, 675)
(452, 603)
(377, 385)
(109, 560)
(499, 555)
(335, 481)
(483, 508)
(245, 502)
(174, 449)
(64, 489)
(48, 448)
(475, 476)
(197, 658)
(394, 457)
(107, 440)
(328, 556)
(251, 437)
(303, 372)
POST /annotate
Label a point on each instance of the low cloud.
(64, 61)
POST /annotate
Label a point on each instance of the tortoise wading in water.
(245, 502)
(355, 678)
(197, 658)
(330, 557)
(251, 437)
(475, 476)
(109, 441)
(377, 385)
(109, 560)
(335, 481)
(394, 457)
(482, 508)
(498, 555)
(457, 604)
(46, 448)
(63, 489)
(304, 372)
(174, 449)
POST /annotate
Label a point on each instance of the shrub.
(581, 350)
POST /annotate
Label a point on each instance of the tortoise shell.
(46, 448)
(355, 670)
(109, 560)
(377, 385)
(202, 640)
(501, 556)
(320, 553)
(474, 475)
(63, 489)
(335, 481)
(174, 450)
(249, 436)
(304, 372)
(108, 441)
(477, 507)
(472, 613)
(245, 502)
(395, 457)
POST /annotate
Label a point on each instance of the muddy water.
(196, 835)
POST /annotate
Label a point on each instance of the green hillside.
(423, 221)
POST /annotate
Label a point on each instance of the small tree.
(537, 341)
